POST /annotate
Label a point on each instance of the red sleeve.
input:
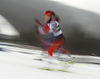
(46, 29)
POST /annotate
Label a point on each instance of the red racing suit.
(56, 39)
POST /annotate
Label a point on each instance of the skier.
(52, 26)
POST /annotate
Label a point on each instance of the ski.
(52, 69)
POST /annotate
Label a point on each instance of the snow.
(17, 65)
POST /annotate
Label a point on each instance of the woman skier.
(52, 26)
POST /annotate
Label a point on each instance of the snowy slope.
(14, 64)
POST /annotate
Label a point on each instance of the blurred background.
(80, 23)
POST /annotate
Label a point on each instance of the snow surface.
(16, 64)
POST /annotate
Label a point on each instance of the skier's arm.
(38, 22)
(43, 30)
(46, 29)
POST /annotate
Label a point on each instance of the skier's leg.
(47, 44)
(55, 45)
